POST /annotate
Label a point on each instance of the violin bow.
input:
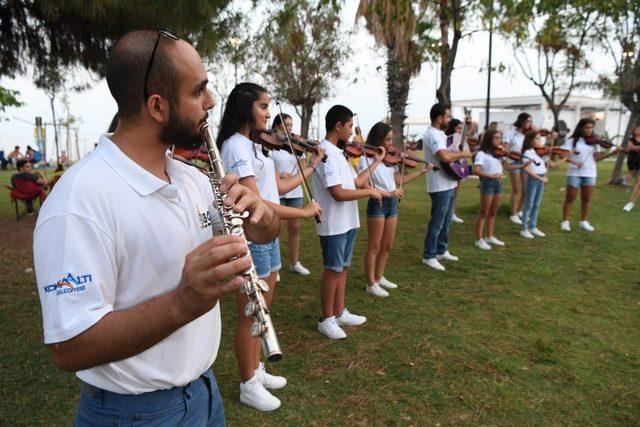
(305, 185)
(366, 161)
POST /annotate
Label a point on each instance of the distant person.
(29, 183)
(33, 156)
(15, 155)
(64, 159)
(455, 127)
(3, 160)
(633, 163)
(514, 138)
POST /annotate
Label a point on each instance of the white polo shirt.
(286, 163)
(337, 217)
(541, 166)
(585, 155)
(112, 235)
(384, 177)
(490, 165)
(244, 158)
(433, 141)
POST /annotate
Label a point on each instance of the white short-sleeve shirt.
(433, 141)
(337, 217)
(286, 163)
(538, 164)
(514, 140)
(384, 177)
(489, 163)
(244, 158)
(585, 153)
(112, 235)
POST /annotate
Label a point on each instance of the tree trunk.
(616, 176)
(449, 15)
(398, 83)
(305, 118)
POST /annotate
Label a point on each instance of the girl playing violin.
(633, 163)
(246, 112)
(286, 164)
(489, 164)
(582, 155)
(534, 150)
(455, 126)
(382, 218)
(514, 138)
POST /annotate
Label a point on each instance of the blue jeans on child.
(534, 189)
(436, 239)
(197, 404)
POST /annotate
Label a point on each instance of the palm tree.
(393, 25)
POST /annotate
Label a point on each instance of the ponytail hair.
(528, 140)
(238, 110)
(377, 134)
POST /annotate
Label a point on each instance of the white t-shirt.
(383, 175)
(541, 166)
(112, 235)
(585, 156)
(244, 158)
(490, 164)
(286, 163)
(514, 140)
(433, 141)
(337, 217)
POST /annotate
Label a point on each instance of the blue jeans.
(266, 257)
(534, 189)
(337, 250)
(436, 239)
(197, 404)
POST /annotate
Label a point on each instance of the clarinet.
(254, 287)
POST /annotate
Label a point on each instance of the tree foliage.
(8, 98)
(301, 51)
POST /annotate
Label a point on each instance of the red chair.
(25, 191)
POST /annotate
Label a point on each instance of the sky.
(367, 97)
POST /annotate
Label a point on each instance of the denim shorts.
(266, 257)
(490, 187)
(337, 250)
(388, 209)
(296, 202)
(580, 181)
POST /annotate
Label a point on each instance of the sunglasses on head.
(161, 32)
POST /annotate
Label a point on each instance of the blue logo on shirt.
(69, 284)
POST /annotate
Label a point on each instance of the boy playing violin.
(336, 187)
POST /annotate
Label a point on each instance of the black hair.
(17, 147)
(528, 140)
(238, 110)
(522, 117)
(578, 132)
(114, 124)
(20, 163)
(377, 134)
(29, 148)
(277, 120)
(59, 168)
(451, 127)
(337, 114)
(486, 144)
(438, 109)
(127, 68)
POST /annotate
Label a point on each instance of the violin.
(272, 140)
(594, 139)
(352, 149)
(500, 152)
(556, 151)
(395, 157)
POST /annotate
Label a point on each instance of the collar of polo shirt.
(141, 180)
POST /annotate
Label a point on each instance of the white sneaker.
(515, 219)
(330, 329)
(376, 291)
(492, 240)
(457, 219)
(385, 283)
(565, 226)
(433, 263)
(348, 319)
(536, 232)
(481, 244)
(519, 214)
(277, 277)
(526, 234)
(254, 394)
(586, 226)
(447, 257)
(628, 207)
(267, 380)
(300, 269)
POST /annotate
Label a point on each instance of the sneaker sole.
(249, 403)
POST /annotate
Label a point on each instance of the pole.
(488, 106)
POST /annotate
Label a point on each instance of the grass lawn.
(542, 332)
